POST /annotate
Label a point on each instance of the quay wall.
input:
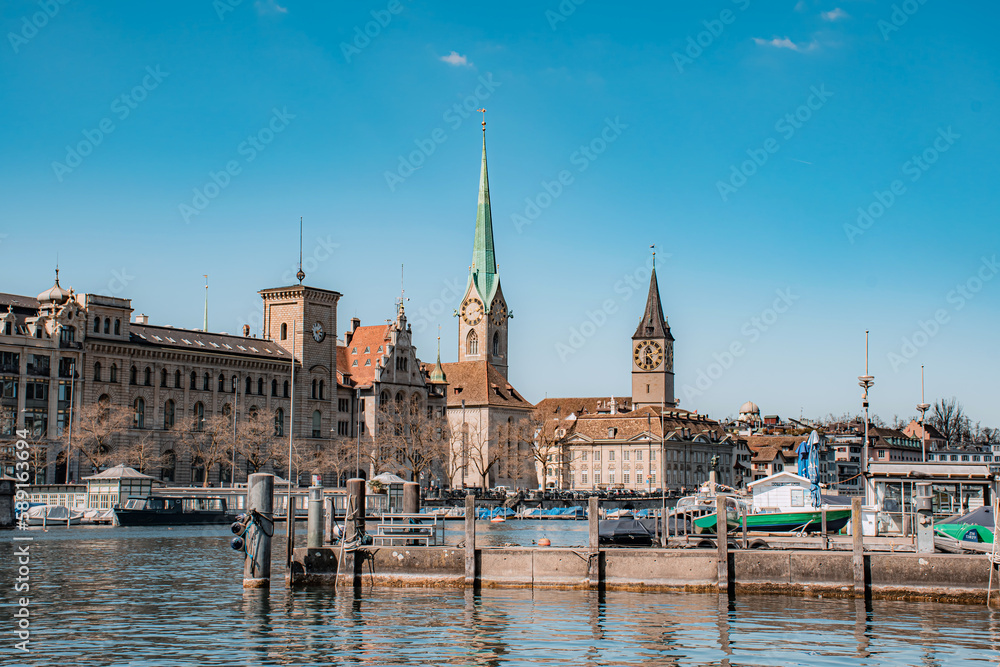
(910, 576)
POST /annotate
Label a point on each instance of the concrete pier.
(260, 499)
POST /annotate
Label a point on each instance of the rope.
(257, 524)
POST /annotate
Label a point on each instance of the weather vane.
(484, 118)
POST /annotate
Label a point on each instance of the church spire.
(653, 323)
(484, 266)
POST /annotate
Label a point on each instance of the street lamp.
(865, 381)
(922, 408)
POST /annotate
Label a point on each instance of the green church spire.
(484, 265)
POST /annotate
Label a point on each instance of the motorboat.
(171, 511)
(58, 515)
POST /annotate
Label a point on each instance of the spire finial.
(301, 274)
(483, 111)
(653, 248)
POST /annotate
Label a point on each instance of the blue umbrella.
(812, 467)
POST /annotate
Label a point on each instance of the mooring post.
(354, 517)
(594, 544)
(722, 537)
(470, 540)
(859, 547)
(257, 564)
(411, 498)
(289, 528)
(823, 519)
(329, 520)
(314, 525)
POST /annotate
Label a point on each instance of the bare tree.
(257, 443)
(209, 441)
(950, 419)
(546, 432)
(141, 451)
(482, 452)
(98, 429)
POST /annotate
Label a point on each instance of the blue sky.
(741, 138)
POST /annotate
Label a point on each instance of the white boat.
(57, 515)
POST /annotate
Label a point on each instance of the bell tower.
(483, 315)
(653, 354)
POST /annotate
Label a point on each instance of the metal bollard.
(314, 525)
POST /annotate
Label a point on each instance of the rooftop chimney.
(355, 323)
(246, 330)
(142, 319)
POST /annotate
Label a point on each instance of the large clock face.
(472, 312)
(318, 333)
(498, 312)
(648, 354)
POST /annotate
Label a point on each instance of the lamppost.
(236, 398)
(72, 396)
(865, 381)
(922, 408)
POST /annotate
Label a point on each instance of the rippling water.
(158, 596)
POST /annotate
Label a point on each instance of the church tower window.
(472, 343)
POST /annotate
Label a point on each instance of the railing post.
(722, 536)
(470, 540)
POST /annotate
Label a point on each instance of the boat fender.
(237, 543)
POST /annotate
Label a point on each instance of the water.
(159, 596)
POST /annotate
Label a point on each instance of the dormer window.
(354, 364)
(354, 350)
(368, 350)
(611, 432)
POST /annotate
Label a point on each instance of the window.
(496, 344)
(38, 364)
(97, 325)
(133, 375)
(597, 477)
(8, 389)
(597, 457)
(67, 334)
(316, 425)
(279, 422)
(881, 453)
(249, 386)
(177, 379)
(163, 377)
(472, 344)
(285, 390)
(321, 390)
(625, 477)
(147, 377)
(342, 428)
(343, 405)
(139, 415)
(107, 325)
(114, 373)
(169, 466)
(168, 415)
(199, 416)
(118, 327)
(611, 477)
(583, 456)
(284, 331)
(638, 455)
(583, 477)
(625, 455)
(652, 455)
(314, 384)
(222, 382)
(260, 386)
(611, 456)
(97, 372)
(274, 387)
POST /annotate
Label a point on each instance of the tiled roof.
(478, 383)
(564, 407)
(362, 356)
(192, 339)
(891, 437)
(18, 301)
(677, 424)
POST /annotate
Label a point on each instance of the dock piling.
(594, 544)
(314, 525)
(260, 499)
(354, 516)
(859, 548)
(823, 528)
(411, 498)
(470, 540)
(722, 537)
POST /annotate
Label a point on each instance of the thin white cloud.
(455, 59)
(801, 6)
(269, 7)
(785, 43)
(835, 15)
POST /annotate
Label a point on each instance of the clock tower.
(653, 355)
(483, 314)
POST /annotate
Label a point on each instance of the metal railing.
(409, 529)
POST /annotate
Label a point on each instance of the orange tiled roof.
(478, 383)
(363, 355)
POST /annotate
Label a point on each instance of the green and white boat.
(807, 521)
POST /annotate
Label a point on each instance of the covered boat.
(166, 511)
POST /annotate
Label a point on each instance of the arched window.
(197, 470)
(249, 389)
(163, 377)
(415, 404)
(285, 392)
(399, 402)
(472, 344)
(274, 387)
(139, 415)
(147, 376)
(279, 422)
(383, 399)
(107, 325)
(97, 372)
(177, 379)
(496, 343)
(206, 383)
(118, 327)
(317, 421)
(168, 415)
(114, 373)
(260, 386)
(133, 375)
(252, 412)
(167, 472)
(222, 382)
(284, 331)
(313, 395)
(194, 381)
(321, 390)
(97, 325)
(199, 416)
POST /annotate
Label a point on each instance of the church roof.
(478, 383)
(484, 265)
(363, 355)
(653, 324)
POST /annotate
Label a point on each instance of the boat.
(806, 521)
(181, 511)
(977, 526)
(624, 532)
(57, 515)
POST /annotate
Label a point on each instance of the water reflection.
(108, 596)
